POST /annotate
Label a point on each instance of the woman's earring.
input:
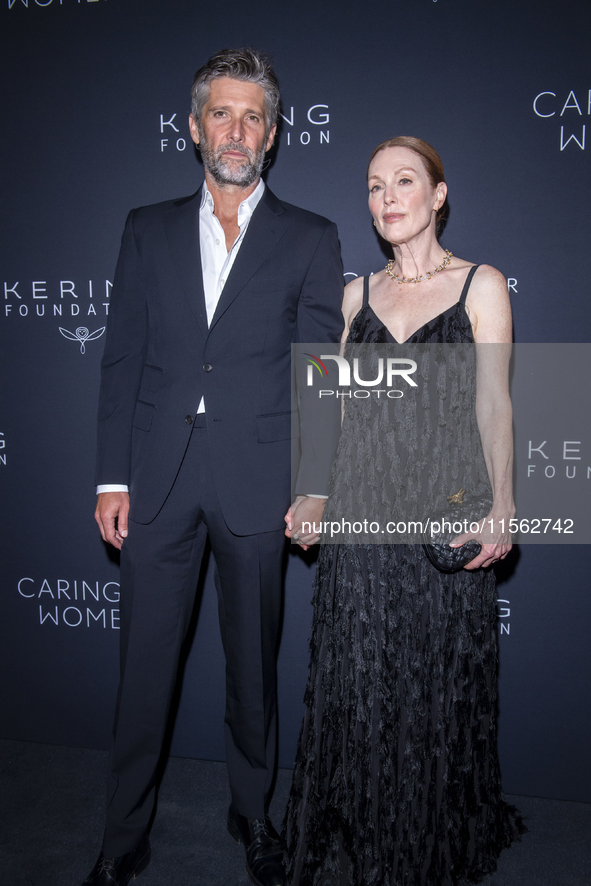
(374, 223)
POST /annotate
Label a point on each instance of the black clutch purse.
(465, 509)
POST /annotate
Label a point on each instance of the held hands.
(111, 513)
(304, 510)
(495, 539)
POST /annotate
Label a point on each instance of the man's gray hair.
(240, 64)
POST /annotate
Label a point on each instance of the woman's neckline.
(427, 323)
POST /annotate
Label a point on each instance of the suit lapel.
(265, 229)
(181, 223)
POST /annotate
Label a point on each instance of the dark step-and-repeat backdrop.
(94, 120)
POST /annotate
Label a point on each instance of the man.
(194, 442)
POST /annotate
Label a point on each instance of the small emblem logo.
(82, 335)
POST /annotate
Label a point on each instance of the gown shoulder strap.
(471, 273)
(365, 292)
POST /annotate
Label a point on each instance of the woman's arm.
(490, 313)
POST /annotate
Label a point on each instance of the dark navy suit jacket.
(161, 357)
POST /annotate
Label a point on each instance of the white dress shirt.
(216, 261)
(216, 264)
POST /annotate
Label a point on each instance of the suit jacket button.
(208, 367)
(189, 419)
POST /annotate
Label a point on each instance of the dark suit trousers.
(160, 565)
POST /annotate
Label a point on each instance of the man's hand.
(111, 513)
(305, 509)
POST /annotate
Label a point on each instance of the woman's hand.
(301, 519)
(494, 537)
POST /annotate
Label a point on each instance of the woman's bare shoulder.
(488, 287)
(486, 274)
(488, 299)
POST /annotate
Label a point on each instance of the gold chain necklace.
(427, 276)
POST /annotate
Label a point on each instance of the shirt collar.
(246, 208)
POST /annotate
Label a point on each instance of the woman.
(397, 778)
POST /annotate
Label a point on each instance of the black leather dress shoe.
(119, 871)
(264, 855)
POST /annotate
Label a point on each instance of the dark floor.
(52, 802)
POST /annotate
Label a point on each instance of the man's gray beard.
(227, 172)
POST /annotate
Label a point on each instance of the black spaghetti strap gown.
(397, 778)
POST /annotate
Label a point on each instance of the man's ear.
(194, 129)
(271, 138)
